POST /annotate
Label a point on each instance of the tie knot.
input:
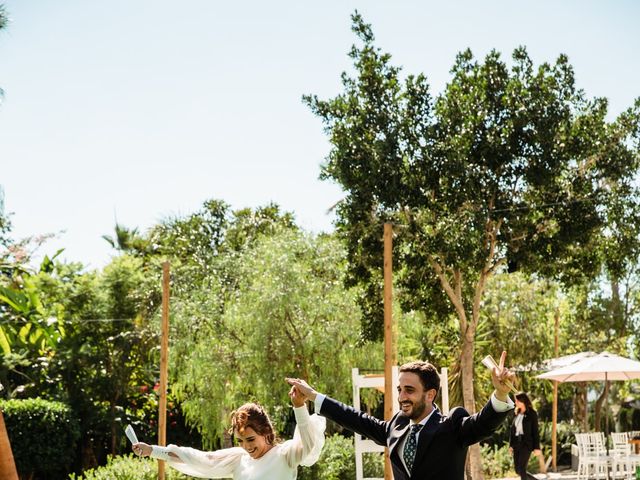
(415, 428)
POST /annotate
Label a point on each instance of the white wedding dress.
(279, 463)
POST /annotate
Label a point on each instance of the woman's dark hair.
(524, 398)
(253, 415)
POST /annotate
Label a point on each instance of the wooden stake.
(164, 363)
(554, 412)
(389, 336)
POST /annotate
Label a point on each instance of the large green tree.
(287, 315)
(507, 167)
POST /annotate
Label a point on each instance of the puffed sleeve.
(308, 439)
(218, 464)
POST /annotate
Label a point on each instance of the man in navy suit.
(423, 444)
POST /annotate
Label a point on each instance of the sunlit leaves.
(288, 315)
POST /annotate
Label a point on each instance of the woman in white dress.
(259, 456)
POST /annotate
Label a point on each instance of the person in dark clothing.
(423, 443)
(524, 436)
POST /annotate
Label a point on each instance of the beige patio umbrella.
(602, 367)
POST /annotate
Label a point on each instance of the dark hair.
(524, 398)
(426, 371)
(253, 415)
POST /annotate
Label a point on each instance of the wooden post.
(554, 412)
(7, 464)
(389, 336)
(164, 370)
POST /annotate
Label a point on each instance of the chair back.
(620, 444)
(591, 444)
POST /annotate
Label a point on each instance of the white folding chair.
(593, 461)
(621, 454)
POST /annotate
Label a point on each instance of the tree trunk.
(598, 407)
(580, 406)
(466, 361)
(7, 464)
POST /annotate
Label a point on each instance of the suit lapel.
(426, 436)
(399, 432)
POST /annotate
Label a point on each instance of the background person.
(524, 436)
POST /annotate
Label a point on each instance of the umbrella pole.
(606, 404)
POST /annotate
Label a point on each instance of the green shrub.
(338, 462)
(373, 465)
(128, 467)
(43, 436)
(497, 462)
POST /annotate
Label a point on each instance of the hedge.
(43, 436)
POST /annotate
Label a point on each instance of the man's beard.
(417, 409)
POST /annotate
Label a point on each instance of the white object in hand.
(131, 435)
(490, 363)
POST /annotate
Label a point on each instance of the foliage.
(103, 360)
(287, 314)
(28, 336)
(497, 462)
(337, 462)
(128, 467)
(505, 167)
(3, 17)
(5, 221)
(43, 436)
(509, 168)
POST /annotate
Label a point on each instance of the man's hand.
(502, 379)
(298, 399)
(301, 388)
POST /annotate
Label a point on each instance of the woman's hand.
(510, 451)
(537, 452)
(298, 399)
(142, 449)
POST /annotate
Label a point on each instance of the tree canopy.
(511, 167)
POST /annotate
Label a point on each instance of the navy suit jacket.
(442, 443)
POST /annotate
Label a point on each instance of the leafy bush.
(337, 462)
(566, 437)
(128, 467)
(43, 436)
(497, 461)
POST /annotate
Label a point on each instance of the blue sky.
(138, 110)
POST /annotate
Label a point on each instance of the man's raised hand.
(502, 378)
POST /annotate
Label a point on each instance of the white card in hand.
(490, 363)
(131, 435)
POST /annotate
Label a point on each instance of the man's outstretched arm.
(344, 415)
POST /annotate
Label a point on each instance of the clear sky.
(137, 110)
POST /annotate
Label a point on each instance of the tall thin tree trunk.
(468, 395)
(7, 464)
